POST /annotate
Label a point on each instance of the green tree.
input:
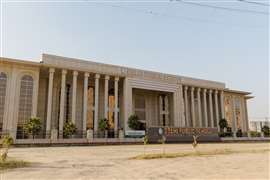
(69, 129)
(134, 123)
(7, 141)
(32, 126)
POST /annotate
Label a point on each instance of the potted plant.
(69, 129)
(223, 124)
(137, 128)
(32, 126)
(103, 127)
(239, 133)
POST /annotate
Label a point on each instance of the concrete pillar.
(127, 101)
(192, 107)
(62, 103)
(211, 108)
(116, 81)
(205, 108)
(216, 109)
(186, 107)
(85, 100)
(106, 96)
(177, 107)
(234, 123)
(182, 108)
(222, 104)
(97, 76)
(199, 107)
(49, 103)
(74, 96)
(246, 113)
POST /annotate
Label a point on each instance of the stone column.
(192, 107)
(106, 95)
(199, 107)
(49, 103)
(234, 123)
(186, 108)
(246, 113)
(62, 103)
(205, 108)
(85, 100)
(182, 106)
(222, 104)
(116, 80)
(216, 107)
(74, 96)
(97, 76)
(211, 108)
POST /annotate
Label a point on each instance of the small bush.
(69, 129)
(223, 124)
(239, 133)
(103, 124)
(7, 141)
(266, 131)
(134, 123)
(32, 126)
(255, 134)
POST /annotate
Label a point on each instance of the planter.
(89, 134)
(121, 134)
(135, 133)
(106, 133)
(54, 134)
(101, 134)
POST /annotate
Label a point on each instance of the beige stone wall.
(14, 74)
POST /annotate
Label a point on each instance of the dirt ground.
(112, 162)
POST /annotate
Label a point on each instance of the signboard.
(176, 134)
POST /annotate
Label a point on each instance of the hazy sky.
(230, 46)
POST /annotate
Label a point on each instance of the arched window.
(25, 103)
(3, 87)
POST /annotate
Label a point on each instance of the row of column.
(85, 100)
(202, 113)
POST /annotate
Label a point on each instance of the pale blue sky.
(171, 37)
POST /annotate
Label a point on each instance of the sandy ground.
(112, 162)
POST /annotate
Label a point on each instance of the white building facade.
(60, 89)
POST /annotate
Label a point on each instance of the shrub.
(7, 141)
(266, 130)
(69, 129)
(255, 134)
(134, 123)
(32, 126)
(103, 124)
(239, 133)
(223, 124)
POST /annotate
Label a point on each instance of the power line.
(224, 8)
(253, 2)
(186, 18)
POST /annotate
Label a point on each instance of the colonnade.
(209, 110)
(85, 100)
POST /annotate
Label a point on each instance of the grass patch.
(196, 153)
(11, 164)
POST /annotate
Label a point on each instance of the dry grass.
(196, 153)
(12, 163)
